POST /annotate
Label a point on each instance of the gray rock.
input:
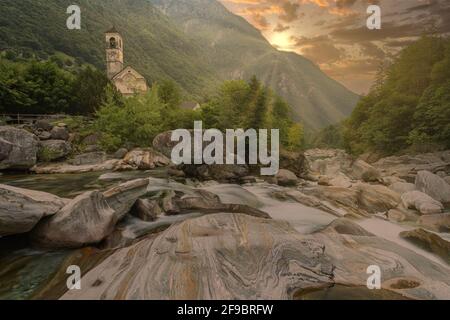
(85, 220)
(421, 202)
(286, 178)
(122, 197)
(146, 210)
(402, 187)
(18, 148)
(44, 125)
(435, 222)
(21, 209)
(434, 186)
(377, 198)
(51, 150)
(143, 159)
(60, 133)
(120, 154)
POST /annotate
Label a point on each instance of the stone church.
(126, 79)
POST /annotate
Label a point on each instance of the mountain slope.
(237, 50)
(153, 44)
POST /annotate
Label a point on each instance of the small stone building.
(126, 79)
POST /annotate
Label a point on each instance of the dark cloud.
(281, 28)
(290, 11)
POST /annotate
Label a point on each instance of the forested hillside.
(410, 105)
(153, 45)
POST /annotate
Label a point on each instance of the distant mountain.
(153, 44)
(236, 49)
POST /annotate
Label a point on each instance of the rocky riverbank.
(224, 232)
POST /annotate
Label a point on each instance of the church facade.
(126, 79)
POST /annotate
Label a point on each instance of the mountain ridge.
(238, 50)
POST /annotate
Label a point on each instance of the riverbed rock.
(435, 222)
(194, 260)
(294, 161)
(286, 178)
(407, 166)
(60, 133)
(21, 209)
(402, 187)
(429, 241)
(85, 220)
(18, 148)
(146, 209)
(361, 170)
(352, 251)
(376, 198)
(122, 197)
(433, 185)
(143, 159)
(120, 154)
(421, 202)
(340, 180)
(51, 150)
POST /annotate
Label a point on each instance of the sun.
(281, 40)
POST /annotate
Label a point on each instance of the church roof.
(112, 30)
(128, 69)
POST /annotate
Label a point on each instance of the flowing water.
(25, 273)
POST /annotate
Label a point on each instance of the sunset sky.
(333, 33)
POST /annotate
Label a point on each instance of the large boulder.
(361, 170)
(286, 178)
(51, 150)
(122, 197)
(146, 209)
(376, 198)
(429, 241)
(85, 220)
(435, 222)
(21, 209)
(144, 159)
(60, 133)
(18, 148)
(402, 187)
(433, 185)
(295, 162)
(421, 202)
(211, 257)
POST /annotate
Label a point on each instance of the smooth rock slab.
(21, 209)
(222, 256)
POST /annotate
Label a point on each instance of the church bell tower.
(114, 52)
